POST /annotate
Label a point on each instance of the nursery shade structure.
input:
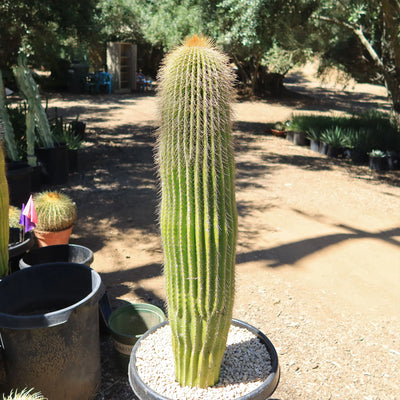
(198, 209)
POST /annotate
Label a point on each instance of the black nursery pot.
(19, 178)
(264, 391)
(377, 163)
(54, 164)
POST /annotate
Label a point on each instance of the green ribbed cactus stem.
(198, 209)
(37, 116)
(9, 138)
(4, 206)
(55, 211)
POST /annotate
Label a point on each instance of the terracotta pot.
(44, 238)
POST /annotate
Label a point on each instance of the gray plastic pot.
(49, 328)
(263, 392)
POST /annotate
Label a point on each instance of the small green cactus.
(198, 215)
(14, 215)
(24, 395)
(4, 205)
(55, 211)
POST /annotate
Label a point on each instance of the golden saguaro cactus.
(198, 209)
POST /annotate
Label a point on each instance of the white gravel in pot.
(246, 364)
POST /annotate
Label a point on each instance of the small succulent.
(377, 153)
(24, 395)
(55, 211)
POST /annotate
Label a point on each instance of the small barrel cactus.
(4, 205)
(14, 215)
(55, 211)
(198, 215)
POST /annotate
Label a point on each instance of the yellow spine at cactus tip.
(198, 41)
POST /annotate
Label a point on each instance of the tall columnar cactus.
(55, 211)
(36, 116)
(198, 209)
(9, 138)
(4, 206)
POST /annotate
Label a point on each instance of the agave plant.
(198, 210)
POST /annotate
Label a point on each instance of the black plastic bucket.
(49, 329)
(71, 253)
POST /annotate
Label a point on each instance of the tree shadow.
(291, 253)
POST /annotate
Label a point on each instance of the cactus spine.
(198, 210)
(4, 206)
(55, 211)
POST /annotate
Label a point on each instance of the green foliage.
(365, 131)
(17, 114)
(65, 132)
(55, 211)
(4, 205)
(198, 209)
(335, 137)
(24, 395)
(363, 38)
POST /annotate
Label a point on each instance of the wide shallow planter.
(261, 392)
(18, 244)
(19, 178)
(48, 238)
(127, 324)
(49, 325)
(72, 253)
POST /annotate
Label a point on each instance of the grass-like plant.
(25, 394)
(55, 211)
(4, 205)
(198, 215)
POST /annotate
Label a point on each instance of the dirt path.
(318, 264)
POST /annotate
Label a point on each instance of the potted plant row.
(37, 151)
(198, 222)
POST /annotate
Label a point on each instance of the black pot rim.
(17, 248)
(262, 392)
